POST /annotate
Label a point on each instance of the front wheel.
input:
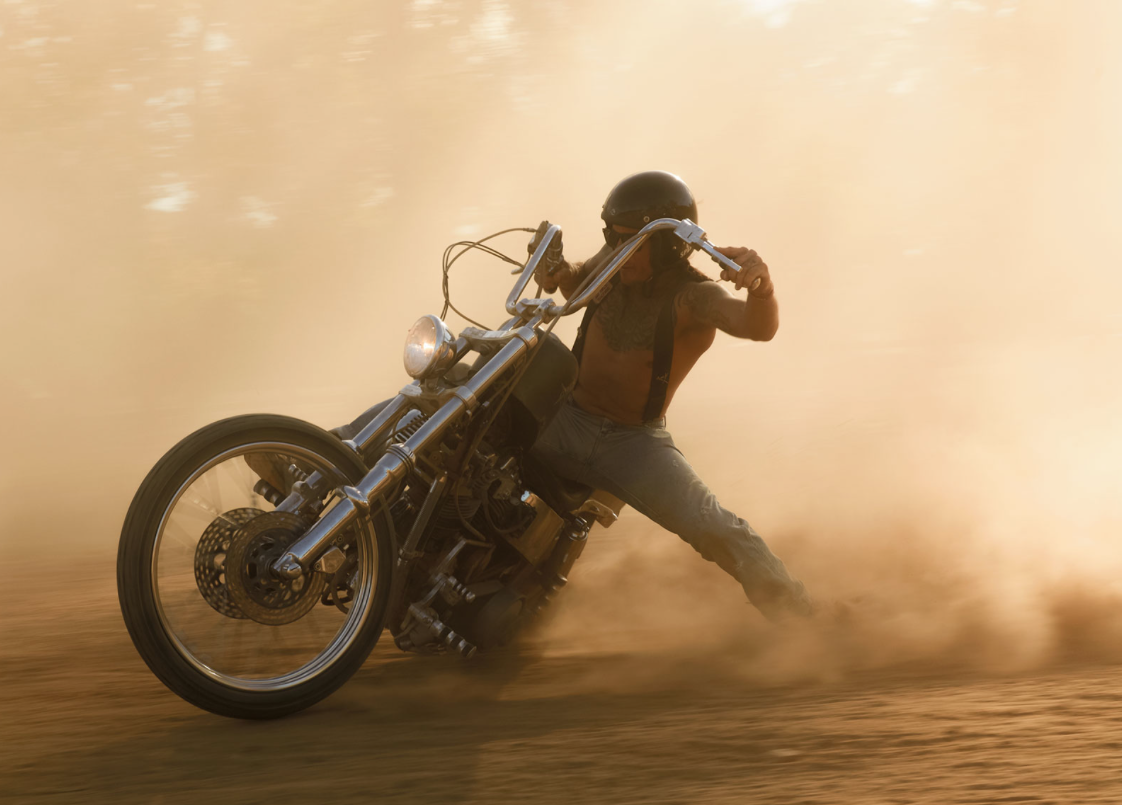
(193, 577)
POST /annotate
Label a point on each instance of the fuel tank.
(547, 382)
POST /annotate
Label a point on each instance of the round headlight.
(427, 347)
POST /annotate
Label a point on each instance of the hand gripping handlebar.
(685, 229)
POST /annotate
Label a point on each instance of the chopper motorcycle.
(262, 557)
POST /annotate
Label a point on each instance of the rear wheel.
(193, 578)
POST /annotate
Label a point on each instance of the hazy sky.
(209, 209)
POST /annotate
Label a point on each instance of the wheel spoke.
(214, 488)
(181, 537)
(238, 472)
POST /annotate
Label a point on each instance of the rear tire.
(164, 653)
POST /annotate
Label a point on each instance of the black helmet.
(644, 197)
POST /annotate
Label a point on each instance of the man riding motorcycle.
(636, 344)
(262, 557)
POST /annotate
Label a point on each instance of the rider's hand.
(553, 266)
(537, 238)
(554, 250)
(752, 268)
(551, 280)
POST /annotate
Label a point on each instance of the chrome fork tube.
(378, 428)
(399, 460)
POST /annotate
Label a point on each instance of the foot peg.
(426, 621)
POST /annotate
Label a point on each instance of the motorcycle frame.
(515, 341)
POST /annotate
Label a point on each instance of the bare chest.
(627, 321)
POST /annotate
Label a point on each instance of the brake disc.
(251, 584)
(210, 559)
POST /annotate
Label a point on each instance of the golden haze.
(214, 212)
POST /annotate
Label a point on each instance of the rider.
(636, 344)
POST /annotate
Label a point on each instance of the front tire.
(170, 574)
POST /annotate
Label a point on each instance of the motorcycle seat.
(560, 494)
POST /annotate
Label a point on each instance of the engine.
(474, 570)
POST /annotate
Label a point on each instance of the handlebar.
(685, 229)
(523, 280)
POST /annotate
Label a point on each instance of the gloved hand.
(537, 238)
(547, 272)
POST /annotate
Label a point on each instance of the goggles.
(614, 238)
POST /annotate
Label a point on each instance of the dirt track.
(84, 721)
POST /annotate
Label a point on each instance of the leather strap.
(663, 358)
(663, 347)
(578, 345)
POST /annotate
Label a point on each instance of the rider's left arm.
(708, 304)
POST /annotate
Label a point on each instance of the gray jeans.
(640, 465)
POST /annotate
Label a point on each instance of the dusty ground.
(84, 721)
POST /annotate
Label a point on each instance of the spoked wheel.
(193, 571)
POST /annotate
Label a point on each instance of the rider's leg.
(641, 466)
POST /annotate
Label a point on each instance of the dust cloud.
(209, 211)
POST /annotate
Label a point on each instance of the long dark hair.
(670, 263)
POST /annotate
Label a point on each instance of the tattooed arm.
(707, 304)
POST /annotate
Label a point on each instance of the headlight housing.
(428, 347)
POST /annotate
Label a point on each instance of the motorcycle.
(262, 557)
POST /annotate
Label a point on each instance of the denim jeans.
(640, 465)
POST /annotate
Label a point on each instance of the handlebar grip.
(725, 262)
(554, 254)
(552, 257)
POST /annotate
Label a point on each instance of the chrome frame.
(514, 340)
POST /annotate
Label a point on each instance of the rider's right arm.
(707, 304)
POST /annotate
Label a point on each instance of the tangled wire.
(449, 259)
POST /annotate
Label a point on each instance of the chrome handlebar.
(523, 280)
(685, 229)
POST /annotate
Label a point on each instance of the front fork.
(399, 459)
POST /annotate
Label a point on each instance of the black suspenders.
(663, 357)
(663, 349)
(589, 312)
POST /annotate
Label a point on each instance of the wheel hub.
(253, 587)
(210, 559)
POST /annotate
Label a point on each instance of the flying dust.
(209, 212)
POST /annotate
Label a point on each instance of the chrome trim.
(468, 397)
(392, 468)
(298, 495)
(378, 428)
(473, 335)
(528, 272)
(357, 498)
(403, 453)
(526, 335)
